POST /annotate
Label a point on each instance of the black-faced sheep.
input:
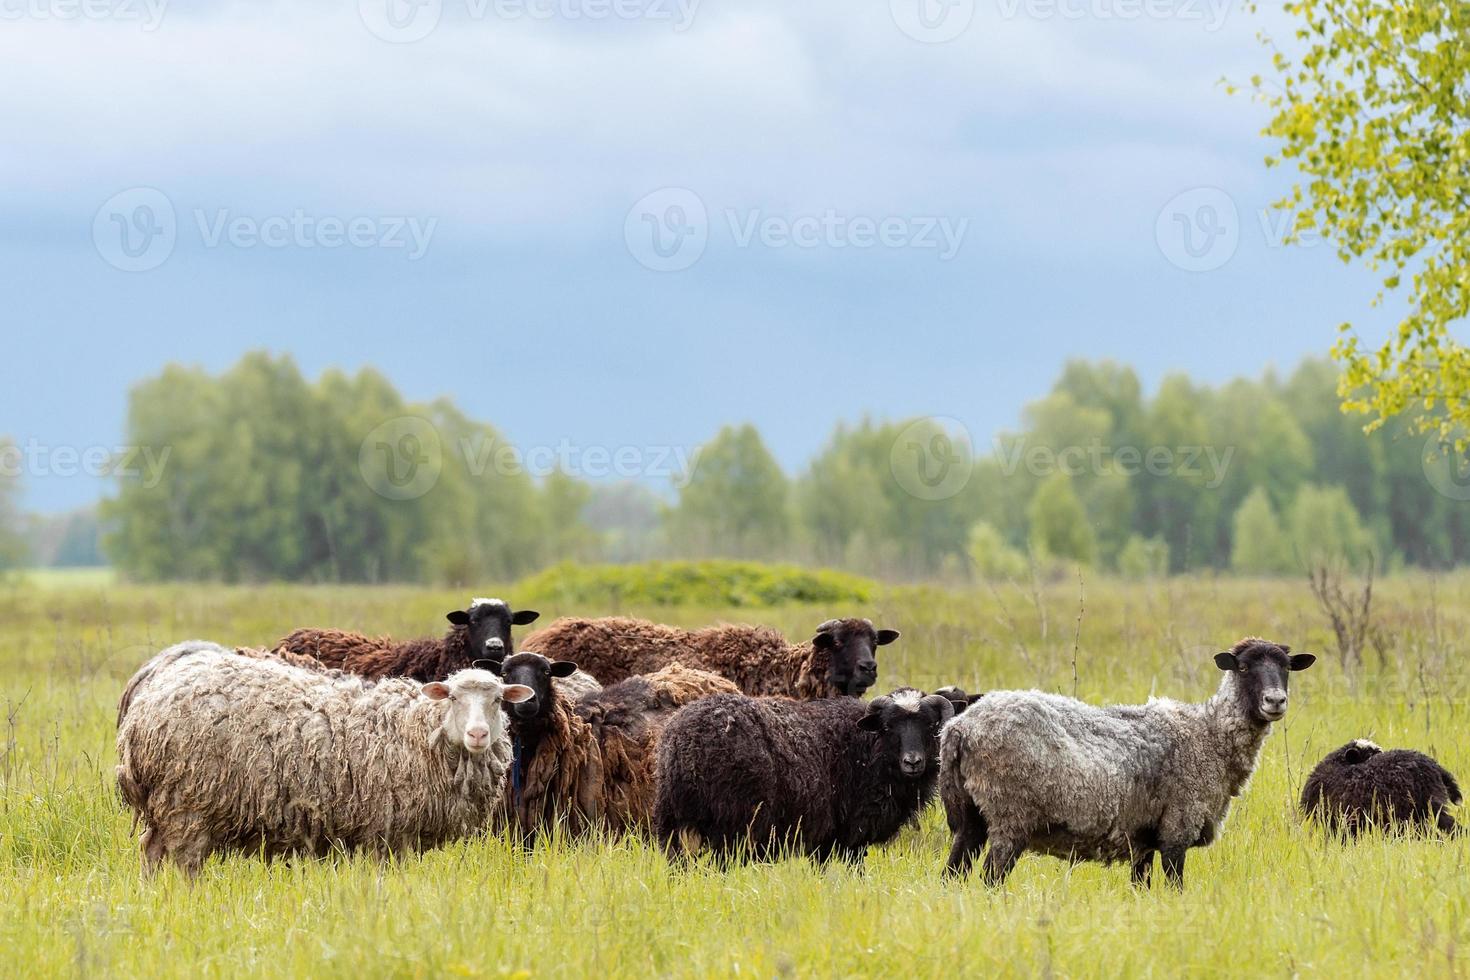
(1361, 786)
(840, 659)
(1028, 770)
(959, 696)
(480, 632)
(825, 778)
(590, 762)
(218, 751)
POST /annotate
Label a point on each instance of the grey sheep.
(218, 751)
(1032, 771)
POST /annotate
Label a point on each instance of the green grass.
(1273, 897)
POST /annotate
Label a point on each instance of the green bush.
(741, 584)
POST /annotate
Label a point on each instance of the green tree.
(735, 503)
(993, 557)
(1260, 545)
(1325, 528)
(1375, 117)
(563, 506)
(1143, 558)
(1059, 525)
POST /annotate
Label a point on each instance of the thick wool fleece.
(594, 762)
(426, 659)
(757, 658)
(759, 775)
(1066, 778)
(1360, 785)
(219, 751)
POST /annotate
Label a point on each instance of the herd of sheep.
(730, 740)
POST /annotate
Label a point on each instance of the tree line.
(273, 476)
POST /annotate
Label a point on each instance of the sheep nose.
(868, 667)
(1274, 702)
(479, 733)
(912, 762)
(494, 645)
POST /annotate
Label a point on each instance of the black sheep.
(1360, 785)
(826, 778)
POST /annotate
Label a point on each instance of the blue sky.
(813, 158)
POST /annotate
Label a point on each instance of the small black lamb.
(825, 778)
(1361, 786)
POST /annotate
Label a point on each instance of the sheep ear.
(1354, 755)
(1226, 661)
(1302, 661)
(516, 693)
(871, 722)
(563, 668)
(824, 641)
(494, 666)
(459, 618)
(524, 616)
(435, 690)
(886, 637)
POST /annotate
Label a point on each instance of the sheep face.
(488, 622)
(851, 646)
(474, 721)
(907, 725)
(959, 697)
(1357, 751)
(1262, 670)
(532, 671)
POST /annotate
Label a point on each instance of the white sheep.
(1034, 771)
(219, 751)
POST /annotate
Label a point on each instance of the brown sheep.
(480, 632)
(840, 659)
(590, 764)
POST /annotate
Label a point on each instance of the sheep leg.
(1447, 823)
(1143, 868)
(1172, 858)
(1001, 859)
(152, 849)
(968, 825)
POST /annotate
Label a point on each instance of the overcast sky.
(627, 222)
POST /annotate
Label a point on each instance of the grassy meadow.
(1273, 897)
